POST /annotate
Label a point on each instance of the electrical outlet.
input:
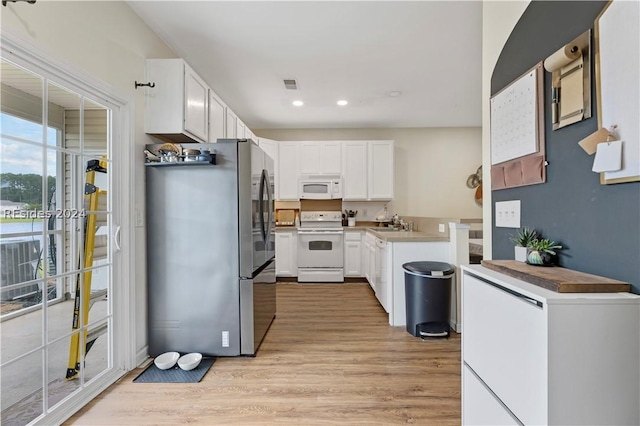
(225, 339)
(508, 214)
(441, 227)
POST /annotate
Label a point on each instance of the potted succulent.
(522, 240)
(542, 252)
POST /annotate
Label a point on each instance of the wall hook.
(149, 84)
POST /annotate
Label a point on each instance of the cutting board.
(556, 278)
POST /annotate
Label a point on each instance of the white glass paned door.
(56, 228)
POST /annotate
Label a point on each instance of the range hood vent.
(290, 84)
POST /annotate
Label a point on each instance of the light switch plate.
(508, 214)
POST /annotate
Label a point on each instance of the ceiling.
(361, 51)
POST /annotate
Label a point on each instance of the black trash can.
(428, 298)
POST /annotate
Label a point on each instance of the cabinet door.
(384, 278)
(365, 259)
(372, 267)
(270, 147)
(231, 125)
(354, 170)
(288, 170)
(352, 254)
(217, 116)
(286, 254)
(380, 175)
(331, 157)
(196, 101)
(240, 129)
(310, 158)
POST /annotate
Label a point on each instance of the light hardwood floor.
(330, 357)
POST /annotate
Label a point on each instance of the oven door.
(320, 248)
(315, 190)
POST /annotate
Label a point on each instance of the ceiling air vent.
(290, 84)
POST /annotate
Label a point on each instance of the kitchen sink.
(386, 230)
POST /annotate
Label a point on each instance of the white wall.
(499, 18)
(107, 41)
(431, 165)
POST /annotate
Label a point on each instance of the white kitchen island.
(403, 247)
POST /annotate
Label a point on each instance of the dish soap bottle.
(297, 221)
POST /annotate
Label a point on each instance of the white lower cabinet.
(484, 408)
(287, 253)
(549, 358)
(370, 262)
(383, 273)
(353, 254)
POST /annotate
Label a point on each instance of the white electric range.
(320, 247)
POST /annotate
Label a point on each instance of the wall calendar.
(514, 119)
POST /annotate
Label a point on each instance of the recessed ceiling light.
(342, 102)
(394, 94)
(298, 103)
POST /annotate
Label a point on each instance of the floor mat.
(153, 374)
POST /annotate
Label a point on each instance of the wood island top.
(556, 278)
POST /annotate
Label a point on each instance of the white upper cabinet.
(270, 147)
(177, 107)
(240, 129)
(231, 125)
(217, 115)
(320, 157)
(354, 170)
(288, 170)
(380, 176)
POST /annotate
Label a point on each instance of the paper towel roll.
(562, 57)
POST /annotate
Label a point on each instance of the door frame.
(23, 52)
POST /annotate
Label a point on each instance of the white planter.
(520, 253)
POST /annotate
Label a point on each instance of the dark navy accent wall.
(598, 225)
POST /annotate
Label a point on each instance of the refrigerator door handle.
(270, 205)
(263, 181)
(116, 238)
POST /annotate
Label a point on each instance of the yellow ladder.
(94, 247)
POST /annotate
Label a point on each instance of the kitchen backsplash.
(367, 210)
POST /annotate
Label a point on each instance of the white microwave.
(320, 187)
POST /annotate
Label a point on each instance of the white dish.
(190, 361)
(166, 360)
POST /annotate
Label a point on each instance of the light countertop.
(389, 236)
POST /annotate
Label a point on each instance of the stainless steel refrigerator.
(211, 251)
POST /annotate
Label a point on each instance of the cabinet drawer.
(505, 343)
(479, 405)
(352, 236)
